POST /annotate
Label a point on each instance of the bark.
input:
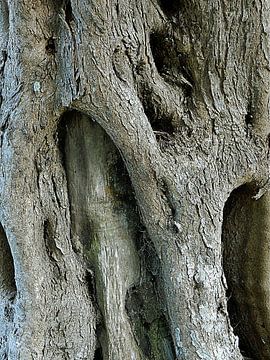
(134, 179)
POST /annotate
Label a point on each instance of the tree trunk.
(134, 180)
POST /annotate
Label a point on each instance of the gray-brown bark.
(125, 127)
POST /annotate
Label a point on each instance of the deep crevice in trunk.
(245, 234)
(68, 12)
(107, 234)
(7, 272)
(98, 354)
(8, 292)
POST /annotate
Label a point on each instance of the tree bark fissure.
(124, 129)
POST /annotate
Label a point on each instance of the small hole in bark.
(50, 46)
(248, 119)
(171, 64)
(161, 127)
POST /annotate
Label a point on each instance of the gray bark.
(125, 128)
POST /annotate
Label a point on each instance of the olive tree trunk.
(134, 169)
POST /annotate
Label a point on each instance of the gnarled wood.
(181, 89)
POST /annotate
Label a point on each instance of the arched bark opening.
(106, 232)
(246, 237)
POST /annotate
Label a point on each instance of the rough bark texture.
(125, 127)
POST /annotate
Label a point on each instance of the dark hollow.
(68, 12)
(98, 354)
(234, 241)
(50, 46)
(7, 272)
(170, 7)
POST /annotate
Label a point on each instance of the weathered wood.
(175, 96)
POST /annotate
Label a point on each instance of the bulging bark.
(125, 127)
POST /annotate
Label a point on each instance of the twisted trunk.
(125, 127)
